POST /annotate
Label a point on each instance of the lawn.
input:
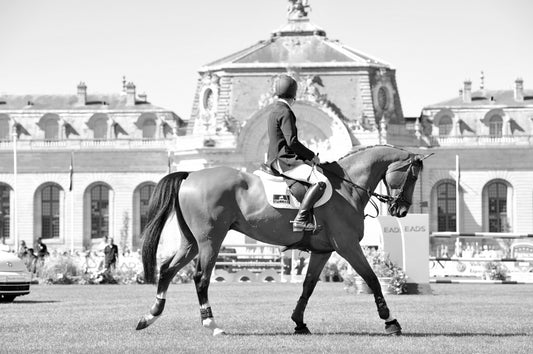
(456, 318)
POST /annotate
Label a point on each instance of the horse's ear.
(422, 157)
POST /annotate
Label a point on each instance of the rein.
(381, 197)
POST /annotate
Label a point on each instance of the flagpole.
(15, 189)
(457, 195)
(71, 189)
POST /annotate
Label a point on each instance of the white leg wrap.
(209, 323)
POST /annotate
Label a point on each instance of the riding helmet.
(286, 87)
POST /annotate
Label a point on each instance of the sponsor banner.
(406, 240)
(415, 238)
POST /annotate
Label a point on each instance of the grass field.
(102, 318)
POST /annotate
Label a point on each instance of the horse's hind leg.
(316, 264)
(207, 257)
(169, 269)
(353, 253)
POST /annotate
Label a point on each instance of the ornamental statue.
(298, 9)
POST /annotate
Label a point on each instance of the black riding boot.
(302, 222)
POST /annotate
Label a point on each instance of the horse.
(210, 202)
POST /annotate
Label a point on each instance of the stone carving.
(298, 9)
(208, 103)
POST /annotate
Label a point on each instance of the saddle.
(286, 193)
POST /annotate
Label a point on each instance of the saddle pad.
(279, 195)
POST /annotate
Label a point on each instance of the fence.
(492, 258)
(249, 263)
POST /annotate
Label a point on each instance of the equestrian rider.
(288, 156)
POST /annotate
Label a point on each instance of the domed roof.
(298, 43)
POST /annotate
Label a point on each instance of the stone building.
(121, 145)
(491, 133)
(345, 98)
(117, 146)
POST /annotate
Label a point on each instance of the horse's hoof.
(302, 330)
(393, 328)
(218, 332)
(142, 324)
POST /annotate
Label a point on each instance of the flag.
(457, 195)
(71, 170)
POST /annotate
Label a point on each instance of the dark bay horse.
(211, 201)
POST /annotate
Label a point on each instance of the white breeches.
(305, 173)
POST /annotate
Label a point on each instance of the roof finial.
(298, 9)
(482, 81)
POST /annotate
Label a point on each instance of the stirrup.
(306, 226)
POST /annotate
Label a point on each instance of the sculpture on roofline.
(298, 9)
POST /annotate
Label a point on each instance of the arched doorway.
(321, 131)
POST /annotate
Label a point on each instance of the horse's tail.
(162, 203)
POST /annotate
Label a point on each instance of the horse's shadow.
(374, 334)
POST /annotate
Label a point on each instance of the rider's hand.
(316, 160)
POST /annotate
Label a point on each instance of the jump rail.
(482, 234)
(242, 263)
(476, 281)
(447, 259)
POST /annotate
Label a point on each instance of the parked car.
(14, 277)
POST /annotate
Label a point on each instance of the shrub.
(383, 268)
(495, 271)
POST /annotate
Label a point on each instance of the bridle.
(409, 178)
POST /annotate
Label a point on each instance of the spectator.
(42, 251)
(111, 255)
(23, 250)
(31, 261)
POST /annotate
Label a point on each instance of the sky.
(49, 46)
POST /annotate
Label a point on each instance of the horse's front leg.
(353, 253)
(316, 264)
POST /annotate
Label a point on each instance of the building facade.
(77, 168)
(489, 133)
(121, 145)
(348, 99)
(345, 98)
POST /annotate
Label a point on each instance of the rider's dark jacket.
(284, 145)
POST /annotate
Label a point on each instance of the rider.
(288, 156)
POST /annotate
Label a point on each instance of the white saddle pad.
(279, 196)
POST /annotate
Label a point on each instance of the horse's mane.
(364, 148)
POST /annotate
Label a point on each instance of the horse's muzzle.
(398, 210)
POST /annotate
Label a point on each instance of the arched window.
(4, 129)
(144, 196)
(50, 212)
(497, 207)
(383, 98)
(495, 126)
(100, 129)
(149, 127)
(445, 125)
(446, 207)
(99, 211)
(208, 100)
(5, 212)
(51, 130)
